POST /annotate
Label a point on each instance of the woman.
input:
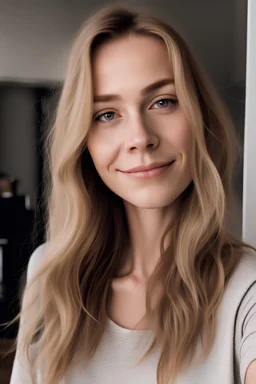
(139, 280)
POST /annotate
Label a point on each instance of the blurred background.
(35, 38)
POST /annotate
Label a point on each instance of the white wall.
(249, 197)
(35, 35)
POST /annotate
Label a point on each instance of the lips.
(149, 167)
(157, 170)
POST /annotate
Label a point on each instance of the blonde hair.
(87, 232)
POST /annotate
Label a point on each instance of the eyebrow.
(148, 89)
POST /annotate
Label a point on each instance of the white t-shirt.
(115, 359)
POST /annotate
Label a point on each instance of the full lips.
(150, 173)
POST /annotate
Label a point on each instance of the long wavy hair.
(87, 232)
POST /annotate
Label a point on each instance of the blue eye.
(164, 103)
(107, 116)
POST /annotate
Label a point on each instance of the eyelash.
(172, 100)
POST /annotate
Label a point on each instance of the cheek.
(179, 134)
(102, 151)
(184, 135)
(185, 139)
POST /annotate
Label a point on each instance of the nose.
(141, 136)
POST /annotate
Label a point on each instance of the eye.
(106, 116)
(165, 103)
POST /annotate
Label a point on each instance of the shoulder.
(245, 326)
(245, 333)
(35, 260)
(243, 277)
(246, 278)
(245, 273)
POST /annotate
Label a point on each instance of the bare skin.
(137, 127)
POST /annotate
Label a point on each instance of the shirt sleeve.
(21, 373)
(247, 320)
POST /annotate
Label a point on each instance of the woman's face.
(138, 123)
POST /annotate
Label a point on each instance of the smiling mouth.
(149, 173)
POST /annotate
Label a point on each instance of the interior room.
(35, 38)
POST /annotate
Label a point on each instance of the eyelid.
(173, 97)
(96, 119)
(163, 97)
(98, 114)
(166, 97)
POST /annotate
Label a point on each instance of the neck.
(146, 228)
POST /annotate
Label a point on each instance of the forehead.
(132, 62)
